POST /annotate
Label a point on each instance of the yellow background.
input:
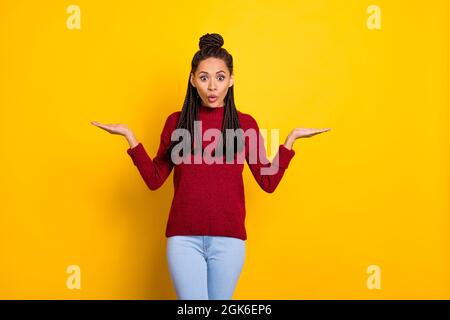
(372, 191)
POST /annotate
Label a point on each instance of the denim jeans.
(205, 267)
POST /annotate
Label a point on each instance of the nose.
(212, 85)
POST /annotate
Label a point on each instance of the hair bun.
(210, 40)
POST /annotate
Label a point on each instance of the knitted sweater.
(209, 198)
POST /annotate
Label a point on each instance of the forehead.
(212, 65)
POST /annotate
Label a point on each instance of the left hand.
(302, 133)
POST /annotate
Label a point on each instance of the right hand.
(114, 128)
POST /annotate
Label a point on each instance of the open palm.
(307, 132)
(114, 128)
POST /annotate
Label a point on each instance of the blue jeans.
(205, 267)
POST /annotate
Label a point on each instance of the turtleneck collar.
(210, 112)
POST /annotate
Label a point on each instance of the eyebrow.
(208, 73)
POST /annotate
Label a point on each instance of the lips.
(212, 98)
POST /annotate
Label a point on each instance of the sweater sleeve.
(267, 174)
(154, 172)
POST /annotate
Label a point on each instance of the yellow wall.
(372, 191)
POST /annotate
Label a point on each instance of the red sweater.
(208, 198)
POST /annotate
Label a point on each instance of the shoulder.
(173, 117)
(171, 123)
(172, 120)
(246, 120)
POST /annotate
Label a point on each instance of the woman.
(206, 225)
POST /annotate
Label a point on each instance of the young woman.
(206, 225)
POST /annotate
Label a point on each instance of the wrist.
(131, 140)
(288, 146)
(289, 142)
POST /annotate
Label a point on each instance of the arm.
(154, 172)
(268, 175)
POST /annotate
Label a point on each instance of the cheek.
(224, 89)
(203, 89)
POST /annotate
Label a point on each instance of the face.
(212, 79)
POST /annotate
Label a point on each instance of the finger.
(97, 124)
(101, 125)
(104, 127)
(316, 132)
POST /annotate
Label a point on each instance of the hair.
(210, 46)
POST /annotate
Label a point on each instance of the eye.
(222, 77)
(201, 78)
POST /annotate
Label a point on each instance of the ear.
(192, 80)
(231, 81)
